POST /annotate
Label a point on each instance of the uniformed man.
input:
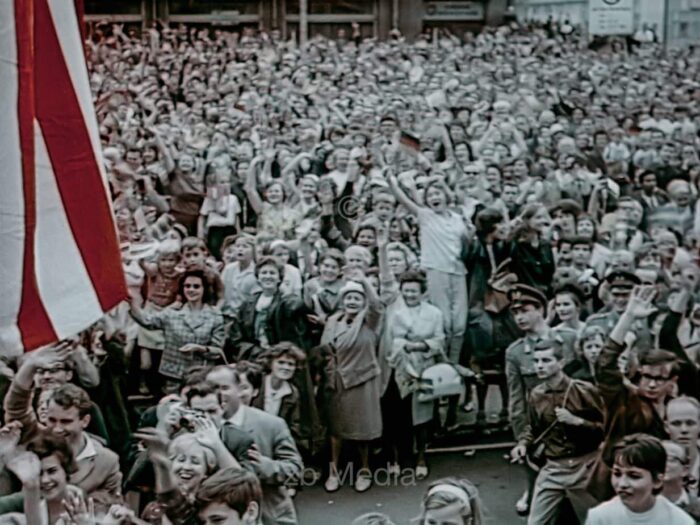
(565, 427)
(529, 308)
(619, 285)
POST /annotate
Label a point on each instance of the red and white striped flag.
(60, 266)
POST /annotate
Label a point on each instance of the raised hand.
(78, 511)
(382, 235)
(156, 441)
(353, 274)
(169, 413)
(641, 303)
(9, 437)
(206, 432)
(26, 466)
(678, 300)
(50, 355)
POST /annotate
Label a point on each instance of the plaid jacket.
(184, 326)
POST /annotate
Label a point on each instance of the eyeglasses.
(192, 286)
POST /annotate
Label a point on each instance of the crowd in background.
(324, 246)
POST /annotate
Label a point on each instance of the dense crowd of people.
(331, 251)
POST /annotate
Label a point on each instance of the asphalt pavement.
(500, 485)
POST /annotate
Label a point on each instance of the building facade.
(376, 17)
(676, 22)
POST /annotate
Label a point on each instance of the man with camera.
(203, 399)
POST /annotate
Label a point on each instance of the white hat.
(556, 128)
(352, 286)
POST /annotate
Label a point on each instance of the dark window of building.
(113, 7)
(205, 7)
(334, 7)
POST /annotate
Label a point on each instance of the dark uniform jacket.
(520, 372)
(561, 440)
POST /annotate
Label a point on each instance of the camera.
(187, 419)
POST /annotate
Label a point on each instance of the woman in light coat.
(352, 381)
(418, 343)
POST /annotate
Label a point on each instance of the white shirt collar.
(284, 390)
(238, 418)
(88, 450)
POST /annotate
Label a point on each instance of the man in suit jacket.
(67, 415)
(274, 457)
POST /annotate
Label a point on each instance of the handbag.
(598, 480)
(535, 457)
(439, 380)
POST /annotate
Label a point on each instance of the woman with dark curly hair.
(278, 395)
(194, 334)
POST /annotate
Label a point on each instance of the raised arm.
(288, 176)
(375, 308)
(27, 467)
(17, 402)
(668, 334)
(149, 320)
(388, 286)
(156, 442)
(251, 188)
(87, 372)
(447, 142)
(166, 154)
(610, 378)
(403, 199)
